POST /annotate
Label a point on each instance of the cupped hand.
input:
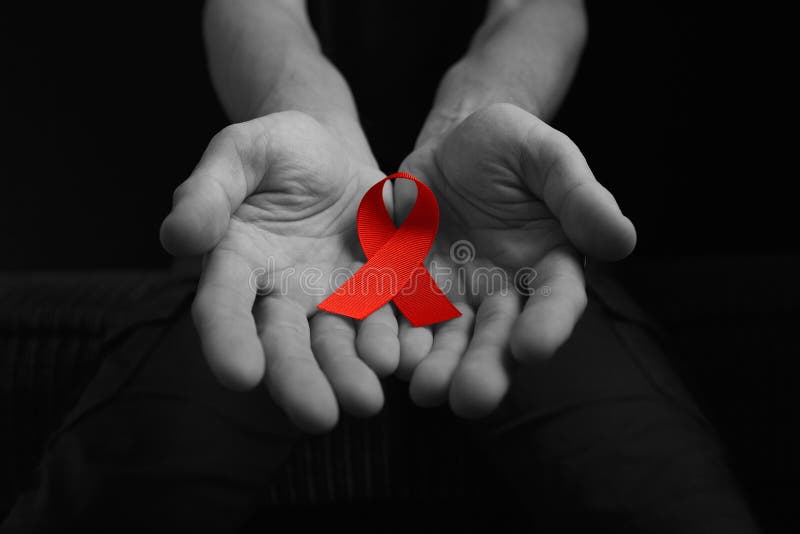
(272, 205)
(516, 197)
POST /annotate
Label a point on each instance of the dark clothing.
(602, 436)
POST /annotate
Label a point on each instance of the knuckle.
(560, 146)
(235, 133)
(199, 311)
(179, 192)
(581, 301)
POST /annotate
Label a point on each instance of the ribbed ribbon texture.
(394, 269)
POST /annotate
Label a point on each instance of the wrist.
(315, 87)
(264, 58)
(468, 86)
(525, 54)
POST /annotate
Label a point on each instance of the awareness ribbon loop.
(394, 269)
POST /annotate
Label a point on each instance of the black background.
(683, 109)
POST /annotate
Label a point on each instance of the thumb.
(203, 204)
(554, 169)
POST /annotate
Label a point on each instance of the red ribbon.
(394, 269)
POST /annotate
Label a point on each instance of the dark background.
(680, 107)
(683, 109)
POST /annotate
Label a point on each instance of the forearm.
(264, 57)
(525, 53)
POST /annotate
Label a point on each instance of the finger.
(556, 171)
(356, 386)
(431, 378)
(377, 341)
(415, 343)
(202, 205)
(550, 314)
(482, 378)
(222, 313)
(295, 380)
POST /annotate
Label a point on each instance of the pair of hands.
(275, 198)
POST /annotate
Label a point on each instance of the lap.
(156, 437)
(603, 433)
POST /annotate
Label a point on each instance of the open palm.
(522, 196)
(273, 204)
